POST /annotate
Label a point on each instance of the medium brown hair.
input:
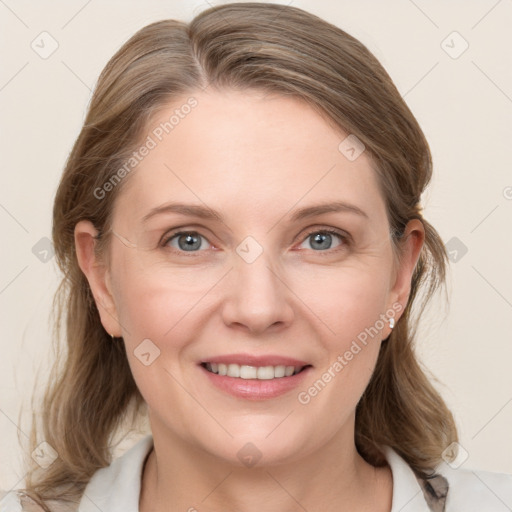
(92, 395)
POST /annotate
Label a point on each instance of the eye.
(188, 241)
(322, 240)
(191, 241)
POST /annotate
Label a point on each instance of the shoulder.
(470, 490)
(10, 501)
(448, 489)
(17, 501)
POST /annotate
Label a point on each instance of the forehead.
(247, 151)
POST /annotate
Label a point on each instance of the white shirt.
(116, 488)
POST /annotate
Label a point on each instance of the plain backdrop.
(449, 60)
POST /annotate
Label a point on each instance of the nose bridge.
(258, 296)
(256, 269)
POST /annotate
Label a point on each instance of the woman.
(240, 231)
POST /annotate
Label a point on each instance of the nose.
(258, 297)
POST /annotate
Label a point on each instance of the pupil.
(191, 242)
(322, 238)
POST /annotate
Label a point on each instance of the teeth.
(247, 372)
(253, 372)
(280, 371)
(233, 370)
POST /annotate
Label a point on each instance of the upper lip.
(252, 360)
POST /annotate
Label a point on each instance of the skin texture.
(256, 159)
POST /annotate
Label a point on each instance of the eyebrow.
(204, 212)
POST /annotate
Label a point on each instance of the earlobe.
(97, 275)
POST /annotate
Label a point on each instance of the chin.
(262, 447)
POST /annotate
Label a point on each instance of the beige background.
(464, 105)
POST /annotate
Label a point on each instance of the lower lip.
(255, 389)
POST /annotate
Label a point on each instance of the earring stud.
(391, 323)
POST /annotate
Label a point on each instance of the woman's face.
(285, 260)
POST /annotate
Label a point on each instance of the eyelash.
(345, 240)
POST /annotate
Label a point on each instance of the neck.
(333, 478)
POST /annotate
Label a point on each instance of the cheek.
(350, 304)
(154, 309)
(152, 298)
(347, 300)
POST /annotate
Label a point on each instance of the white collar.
(407, 493)
(116, 488)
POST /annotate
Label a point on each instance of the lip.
(256, 389)
(252, 360)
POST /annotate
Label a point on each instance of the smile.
(253, 372)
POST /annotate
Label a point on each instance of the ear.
(411, 245)
(97, 275)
